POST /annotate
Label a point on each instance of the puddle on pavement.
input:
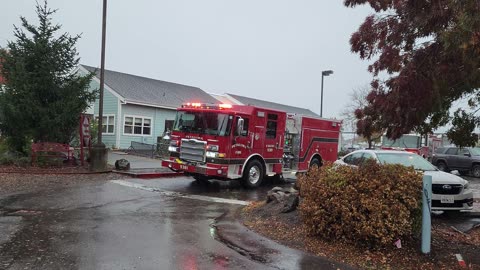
(464, 222)
(252, 256)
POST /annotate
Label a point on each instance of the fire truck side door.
(242, 142)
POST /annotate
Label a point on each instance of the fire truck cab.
(247, 142)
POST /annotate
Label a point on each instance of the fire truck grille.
(193, 150)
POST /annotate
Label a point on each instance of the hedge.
(372, 206)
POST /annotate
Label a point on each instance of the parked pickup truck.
(465, 160)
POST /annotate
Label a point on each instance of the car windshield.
(406, 159)
(203, 123)
(475, 151)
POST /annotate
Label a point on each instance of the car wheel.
(476, 171)
(442, 166)
(253, 174)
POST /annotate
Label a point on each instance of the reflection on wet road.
(222, 189)
(169, 223)
(166, 224)
(112, 227)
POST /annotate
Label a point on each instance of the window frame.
(345, 159)
(463, 152)
(272, 118)
(452, 154)
(105, 123)
(133, 125)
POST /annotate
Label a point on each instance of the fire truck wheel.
(253, 174)
(201, 179)
(315, 163)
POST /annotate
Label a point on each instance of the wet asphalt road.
(108, 226)
(137, 224)
(169, 223)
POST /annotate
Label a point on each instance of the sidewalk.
(141, 167)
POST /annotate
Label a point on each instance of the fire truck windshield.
(203, 123)
(405, 141)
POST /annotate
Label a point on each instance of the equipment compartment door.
(274, 132)
(258, 136)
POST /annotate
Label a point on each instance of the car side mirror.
(467, 155)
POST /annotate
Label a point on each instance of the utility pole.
(98, 154)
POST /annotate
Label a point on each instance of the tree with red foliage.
(429, 51)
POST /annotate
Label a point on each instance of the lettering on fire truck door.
(242, 142)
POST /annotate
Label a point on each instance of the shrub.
(22, 162)
(372, 206)
(6, 160)
(50, 161)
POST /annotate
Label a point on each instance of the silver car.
(450, 192)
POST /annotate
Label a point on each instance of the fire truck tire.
(201, 179)
(253, 174)
(315, 163)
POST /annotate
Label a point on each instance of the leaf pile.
(370, 206)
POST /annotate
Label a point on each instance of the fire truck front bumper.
(213, 170)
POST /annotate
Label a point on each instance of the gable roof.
(151, 92)
(271, 105)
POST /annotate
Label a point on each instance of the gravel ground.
(288, 229)
(20, 180)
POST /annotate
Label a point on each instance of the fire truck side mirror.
(240, 123)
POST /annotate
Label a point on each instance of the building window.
(135, 125)
(168, 126)
(108, 124)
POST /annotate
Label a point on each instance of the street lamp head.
(327, 72)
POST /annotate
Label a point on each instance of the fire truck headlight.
(212, 154)
(213, 148)
(173, 149)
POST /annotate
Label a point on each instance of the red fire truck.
(413, 143)
(247, 143)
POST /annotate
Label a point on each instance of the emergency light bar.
(206, 106)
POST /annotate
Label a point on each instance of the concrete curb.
(149, 175)
(64, 173)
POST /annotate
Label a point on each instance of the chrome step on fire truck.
(247, 143)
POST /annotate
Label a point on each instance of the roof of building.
(224, 98)
(152, 92)
(272, 105)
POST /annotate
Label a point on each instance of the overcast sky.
(270, 49)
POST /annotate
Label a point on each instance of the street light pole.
(324, 73)
(98, 153)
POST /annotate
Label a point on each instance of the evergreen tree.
(43, 96)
